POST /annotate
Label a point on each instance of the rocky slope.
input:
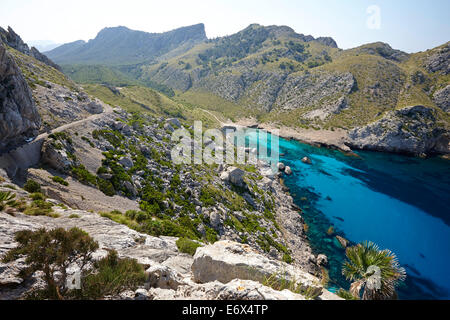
(414, 130)
(123, 46)
(286, 79)
(19, 118)
(13, 40)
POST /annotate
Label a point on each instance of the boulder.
(281, 166)
(57, 158)
(322, 260)
(163, 277)
(94, 107)
(126, 162)
(174, 122)
(225, 261)
(344, 242)
(306, 160)
(236, 176)
(168, 127)
(214, 218)
(288, 170)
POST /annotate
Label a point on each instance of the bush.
(52, 252)
(106, 187)
(60, 181)
(187, 246)
(110, 276)
(7, 199)
(83, 175)
(32, 186)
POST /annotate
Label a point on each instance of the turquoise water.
(401, 203)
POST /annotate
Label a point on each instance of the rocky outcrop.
(314, 90)
(411, 130)
(19, 118)
(442, 98)
(56, 156)
(225, 261)
(13, 40)
(439, 60)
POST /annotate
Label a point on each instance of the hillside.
(121, 45)
(283, 79)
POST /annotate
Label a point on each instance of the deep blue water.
(400, 203)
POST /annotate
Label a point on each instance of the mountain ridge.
(117, 44)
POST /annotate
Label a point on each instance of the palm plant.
(6, 199)
(376, 272)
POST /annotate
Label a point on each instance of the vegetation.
(32, 186)
(110, 276)
(60, 181)
(52, 252)
(187, 246)
(373, 271)
(7, 199)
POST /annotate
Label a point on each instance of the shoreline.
(334, 140)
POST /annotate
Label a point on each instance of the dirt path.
(106, 110)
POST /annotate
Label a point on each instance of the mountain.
(286, 79)
(121, 45)
(12, 39)
(44, 45)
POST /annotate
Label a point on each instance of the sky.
(408, 25)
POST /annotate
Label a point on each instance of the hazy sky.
(410, 25)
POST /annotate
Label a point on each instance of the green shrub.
(7, 199)
(344, 294)
(32, 186)
(37, 196)
(40, 207)
(106, 187)
(83, 175)
(111, 276)
(52, 252)
(187, 246)
(60, 181)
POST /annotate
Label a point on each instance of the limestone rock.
(411, 130)
(55, 157)
(442, 98)
(174, 122)
(163, 277)
(94, 107)
(19, 117)
(288, 170)
(225, 261)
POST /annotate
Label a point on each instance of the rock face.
(442, 98)
(235, 176)
(56, 157)
(19, 118)
(226, 260)
(439, 61)
(13, 40)
(411, 130)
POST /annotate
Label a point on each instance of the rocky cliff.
(412, 130)
(13, 40)
(19, 118)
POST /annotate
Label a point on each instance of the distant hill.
(121, 45)
(270, 73)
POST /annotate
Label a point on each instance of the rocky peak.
(13, 40)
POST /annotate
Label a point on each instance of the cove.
(401, 203)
